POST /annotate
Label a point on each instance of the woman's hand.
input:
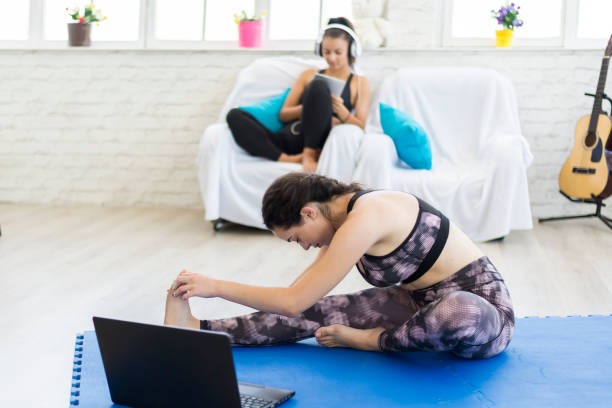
(335, 121)
(339, 108)
(189, 284)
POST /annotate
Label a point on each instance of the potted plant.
(507, 17)
(79, 30)
(249, 29)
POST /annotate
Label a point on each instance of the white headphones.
(354, 46)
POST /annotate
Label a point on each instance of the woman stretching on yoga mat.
(434, 288)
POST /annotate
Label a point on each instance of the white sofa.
(232, 182)
(479, 156)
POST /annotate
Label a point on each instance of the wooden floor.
(59, 266)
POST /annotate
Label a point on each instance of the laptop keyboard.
(248, 401)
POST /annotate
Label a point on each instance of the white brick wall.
(414, 23)
(122, 127)
(111, 128)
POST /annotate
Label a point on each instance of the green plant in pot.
(79, 29)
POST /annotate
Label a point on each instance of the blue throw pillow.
(266, 111)
(408, 136)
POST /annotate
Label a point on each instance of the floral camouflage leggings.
(469, 313)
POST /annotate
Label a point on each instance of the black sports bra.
(413, 257)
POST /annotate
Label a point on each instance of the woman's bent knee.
(234, 116)
(490, 349)
(237, 120)
(317, 90)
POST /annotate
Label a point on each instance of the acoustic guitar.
(585, 173)
(607, 192)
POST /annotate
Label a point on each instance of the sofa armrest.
(375, 160)
(376, 143)
(338, 157)
(508, 145)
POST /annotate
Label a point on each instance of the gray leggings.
(469, 314)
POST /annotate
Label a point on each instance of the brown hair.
(337, 33)
(285, 198)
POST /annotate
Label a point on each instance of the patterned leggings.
(469, 314)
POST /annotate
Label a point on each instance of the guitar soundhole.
(590, 140)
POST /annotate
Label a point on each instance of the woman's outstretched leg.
(371, 308)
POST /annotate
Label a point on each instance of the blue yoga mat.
(551, 362)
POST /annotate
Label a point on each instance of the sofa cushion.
(408, 136)
(266, 111)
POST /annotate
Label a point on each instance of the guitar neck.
(599, 94)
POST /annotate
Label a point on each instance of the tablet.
(335, 85)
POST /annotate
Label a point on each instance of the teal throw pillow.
(408, 136)
(266, 111)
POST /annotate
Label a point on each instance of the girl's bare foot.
(290, 158)
(309, 165)
(178, 313)
(338, 335)
(309, 161)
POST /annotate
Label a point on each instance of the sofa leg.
(220, 223)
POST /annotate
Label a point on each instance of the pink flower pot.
(249, 33)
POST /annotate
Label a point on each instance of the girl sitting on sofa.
(310, 110)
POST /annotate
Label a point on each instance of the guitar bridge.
(583, 170)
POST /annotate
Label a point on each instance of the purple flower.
(507, 15)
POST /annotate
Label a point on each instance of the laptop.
(150, 365)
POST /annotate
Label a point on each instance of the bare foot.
(290, 158)
(338, 335)
(309, 165)
(309, 161)
(178, 313)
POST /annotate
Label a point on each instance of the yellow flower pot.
(503, 38)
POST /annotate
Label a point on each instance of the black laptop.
(150, 365)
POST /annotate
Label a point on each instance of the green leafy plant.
(90, 14)
(242, 16)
